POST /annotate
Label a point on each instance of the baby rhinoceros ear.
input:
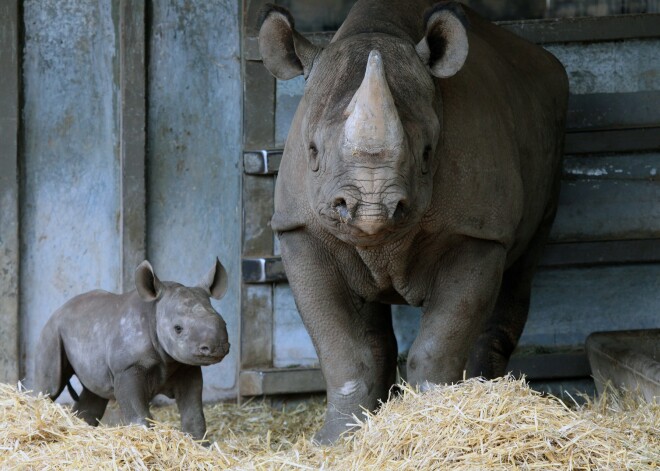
(149, 287)
(215, 281)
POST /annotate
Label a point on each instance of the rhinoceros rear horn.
(285, 52)
(215, 281)
(147, 283)
(445, 46)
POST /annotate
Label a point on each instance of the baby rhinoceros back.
(131, 347)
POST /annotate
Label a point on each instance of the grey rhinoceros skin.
(133, 346)
(422, 167)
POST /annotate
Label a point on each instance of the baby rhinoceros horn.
(373, 124)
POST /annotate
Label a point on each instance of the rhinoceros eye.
(178, 329)
(426, 156)
(313, 157)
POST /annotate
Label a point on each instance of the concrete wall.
(194, 150)
(73, 185)
(70, 174)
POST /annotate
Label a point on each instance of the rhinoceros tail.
(72, 392)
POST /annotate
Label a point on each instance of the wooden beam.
(132, 139)
(545, 31)
(536, 366)
(10, 54)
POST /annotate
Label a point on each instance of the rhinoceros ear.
(149, 287)
(445, 46)
(285, 52)
(215, 281)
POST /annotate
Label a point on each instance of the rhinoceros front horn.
(373, 123)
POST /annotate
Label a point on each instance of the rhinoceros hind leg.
(90, 407)
(502, 330)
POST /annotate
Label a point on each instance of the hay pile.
(473, 425)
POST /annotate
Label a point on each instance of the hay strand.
(476, 424)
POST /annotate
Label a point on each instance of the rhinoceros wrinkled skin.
(131, 347)
(422, 167)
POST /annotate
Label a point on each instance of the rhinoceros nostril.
(339, 205)
(400, 210)
(205, 350)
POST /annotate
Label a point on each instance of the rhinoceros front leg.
(187, 386)
(132, 394)
(461, 298)
(354, 340)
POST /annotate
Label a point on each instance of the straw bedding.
(476, 424)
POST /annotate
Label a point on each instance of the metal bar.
(263, 270)
(10, 54)
(132, 92)
(262, 162)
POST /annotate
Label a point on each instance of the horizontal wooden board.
(556, 30)
(270, 381)
(598, 111)
(598, 210)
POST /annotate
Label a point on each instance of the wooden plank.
(132, 91)
(545, 31)
(599, 210)
(598, 111)
(586, 29)
(621, 167)
(258, 107)
(270, 381)
(257, 211)
(10, 55)
(551, 365)
(251, 10)
(601, 253)
(617, 140)
(256, 326)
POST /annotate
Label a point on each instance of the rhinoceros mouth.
(360, 231)
(205, 360)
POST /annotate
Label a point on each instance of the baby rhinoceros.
(133, 346)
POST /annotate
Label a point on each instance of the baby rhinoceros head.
(187, 326)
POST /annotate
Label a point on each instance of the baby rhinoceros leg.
(186, 384)
(90, 407)
(132, 393)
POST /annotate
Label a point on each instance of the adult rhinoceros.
(422, 167)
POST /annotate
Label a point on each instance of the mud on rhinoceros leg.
(463, 296)
(354, 340)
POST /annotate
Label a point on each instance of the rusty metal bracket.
(262, 162)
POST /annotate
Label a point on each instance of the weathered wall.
(9, 240)
(69, 195)
(194, 149)
(71, 191)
